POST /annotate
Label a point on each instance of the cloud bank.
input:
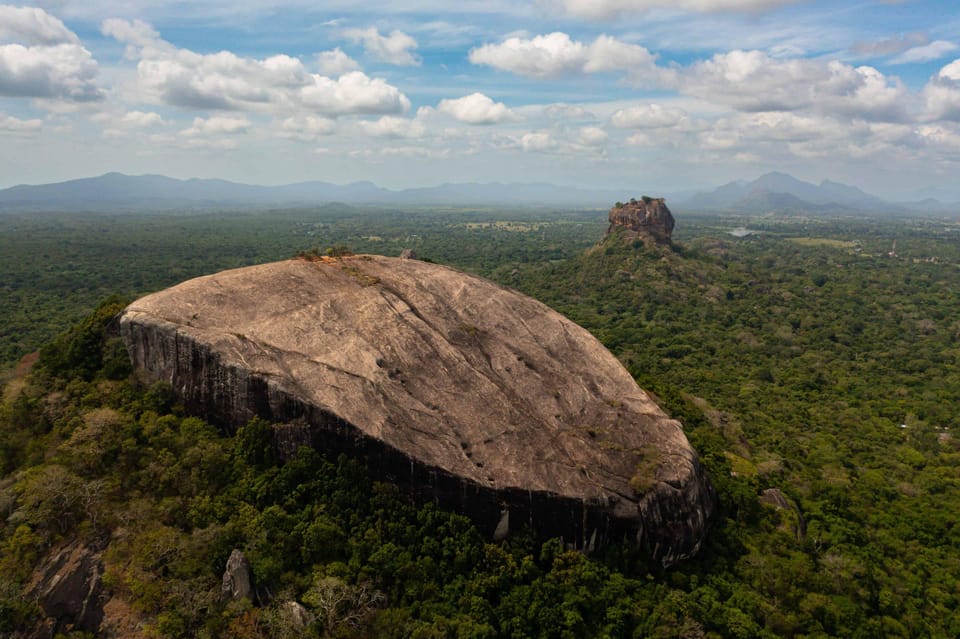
(643, 85)
(228, 82)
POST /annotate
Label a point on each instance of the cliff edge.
(471, 395)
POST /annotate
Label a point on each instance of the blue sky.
(651, 95)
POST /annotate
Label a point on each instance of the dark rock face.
(69, 590)
(648, 219)
(470, 395)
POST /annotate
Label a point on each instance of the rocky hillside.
(470, 394)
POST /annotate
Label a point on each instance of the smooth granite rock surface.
(472, 395)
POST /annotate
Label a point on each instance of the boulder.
(237, 581)
(469, 394)
(69, 590)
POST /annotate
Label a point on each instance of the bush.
(80, 351)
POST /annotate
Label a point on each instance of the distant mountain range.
(784, 193)
(116, 192)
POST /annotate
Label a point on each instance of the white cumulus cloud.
(10, 125)
(33, 26)
(941, 96)
(941, 101)
(753, 81)
(475, 108)
(550, 55)
(609, 54)
(141, 119)
(41, 58)
(783, 136)
(353, 93)
(647, 116)
(538, 141)
(136, 33)
(132, 121)
(278, 84)
(64, 71)
(951, 71)
(591, 136)
(390, 126)
(336, 62)
(216, 126)
(940, 136)
(394, 48)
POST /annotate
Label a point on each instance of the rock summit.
(647, 219)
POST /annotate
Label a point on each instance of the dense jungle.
(812, 360)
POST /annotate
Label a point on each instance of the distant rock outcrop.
(647, 219)
(469, 394)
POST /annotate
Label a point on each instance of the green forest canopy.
(812, 357)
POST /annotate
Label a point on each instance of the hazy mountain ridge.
(776, 191)
(116, 192)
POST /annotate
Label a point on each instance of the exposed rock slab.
(473, 395)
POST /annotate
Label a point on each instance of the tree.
(338, 603)
(80, 351)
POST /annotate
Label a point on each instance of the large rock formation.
(471, 395)
(647, 219)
